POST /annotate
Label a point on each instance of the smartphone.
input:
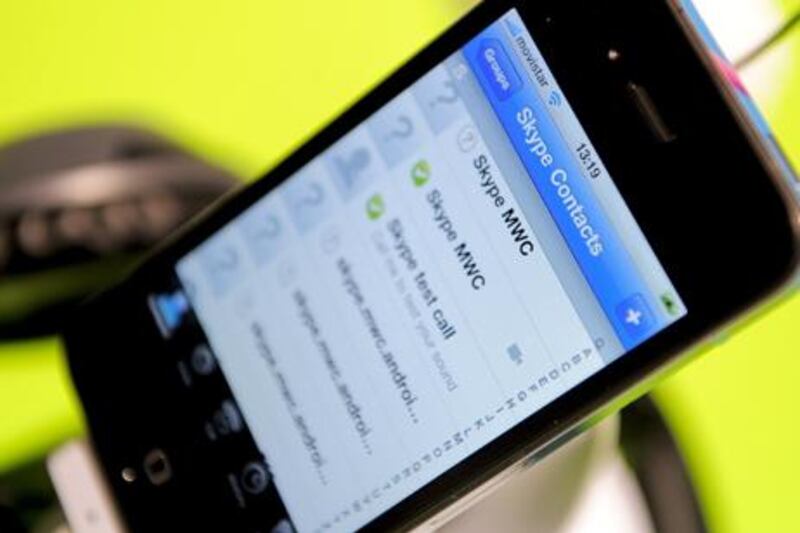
(516, 233)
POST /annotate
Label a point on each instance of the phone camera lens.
(128, 475)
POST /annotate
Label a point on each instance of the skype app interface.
(439, 274)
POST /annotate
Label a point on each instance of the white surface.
(81, 489)
(610, 501)
(739, 26)
(584, 486)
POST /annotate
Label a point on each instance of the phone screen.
(440, 273)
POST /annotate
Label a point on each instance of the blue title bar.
(557, 176)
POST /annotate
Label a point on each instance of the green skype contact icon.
(376, 207)
(421, 173)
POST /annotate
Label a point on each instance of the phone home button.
(157, 467)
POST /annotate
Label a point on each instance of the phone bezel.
(705, 285)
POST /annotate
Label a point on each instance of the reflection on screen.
(439, 274)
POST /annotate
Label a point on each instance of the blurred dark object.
(654, 456)
(78, 207)
(28, 502)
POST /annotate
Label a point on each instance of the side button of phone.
(157, 467)
(722, 338)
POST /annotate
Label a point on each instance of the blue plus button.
(635, 317)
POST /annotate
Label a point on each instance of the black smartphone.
(512, 235)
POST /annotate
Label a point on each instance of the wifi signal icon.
(555, 99)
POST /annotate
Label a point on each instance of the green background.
(242, 82)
